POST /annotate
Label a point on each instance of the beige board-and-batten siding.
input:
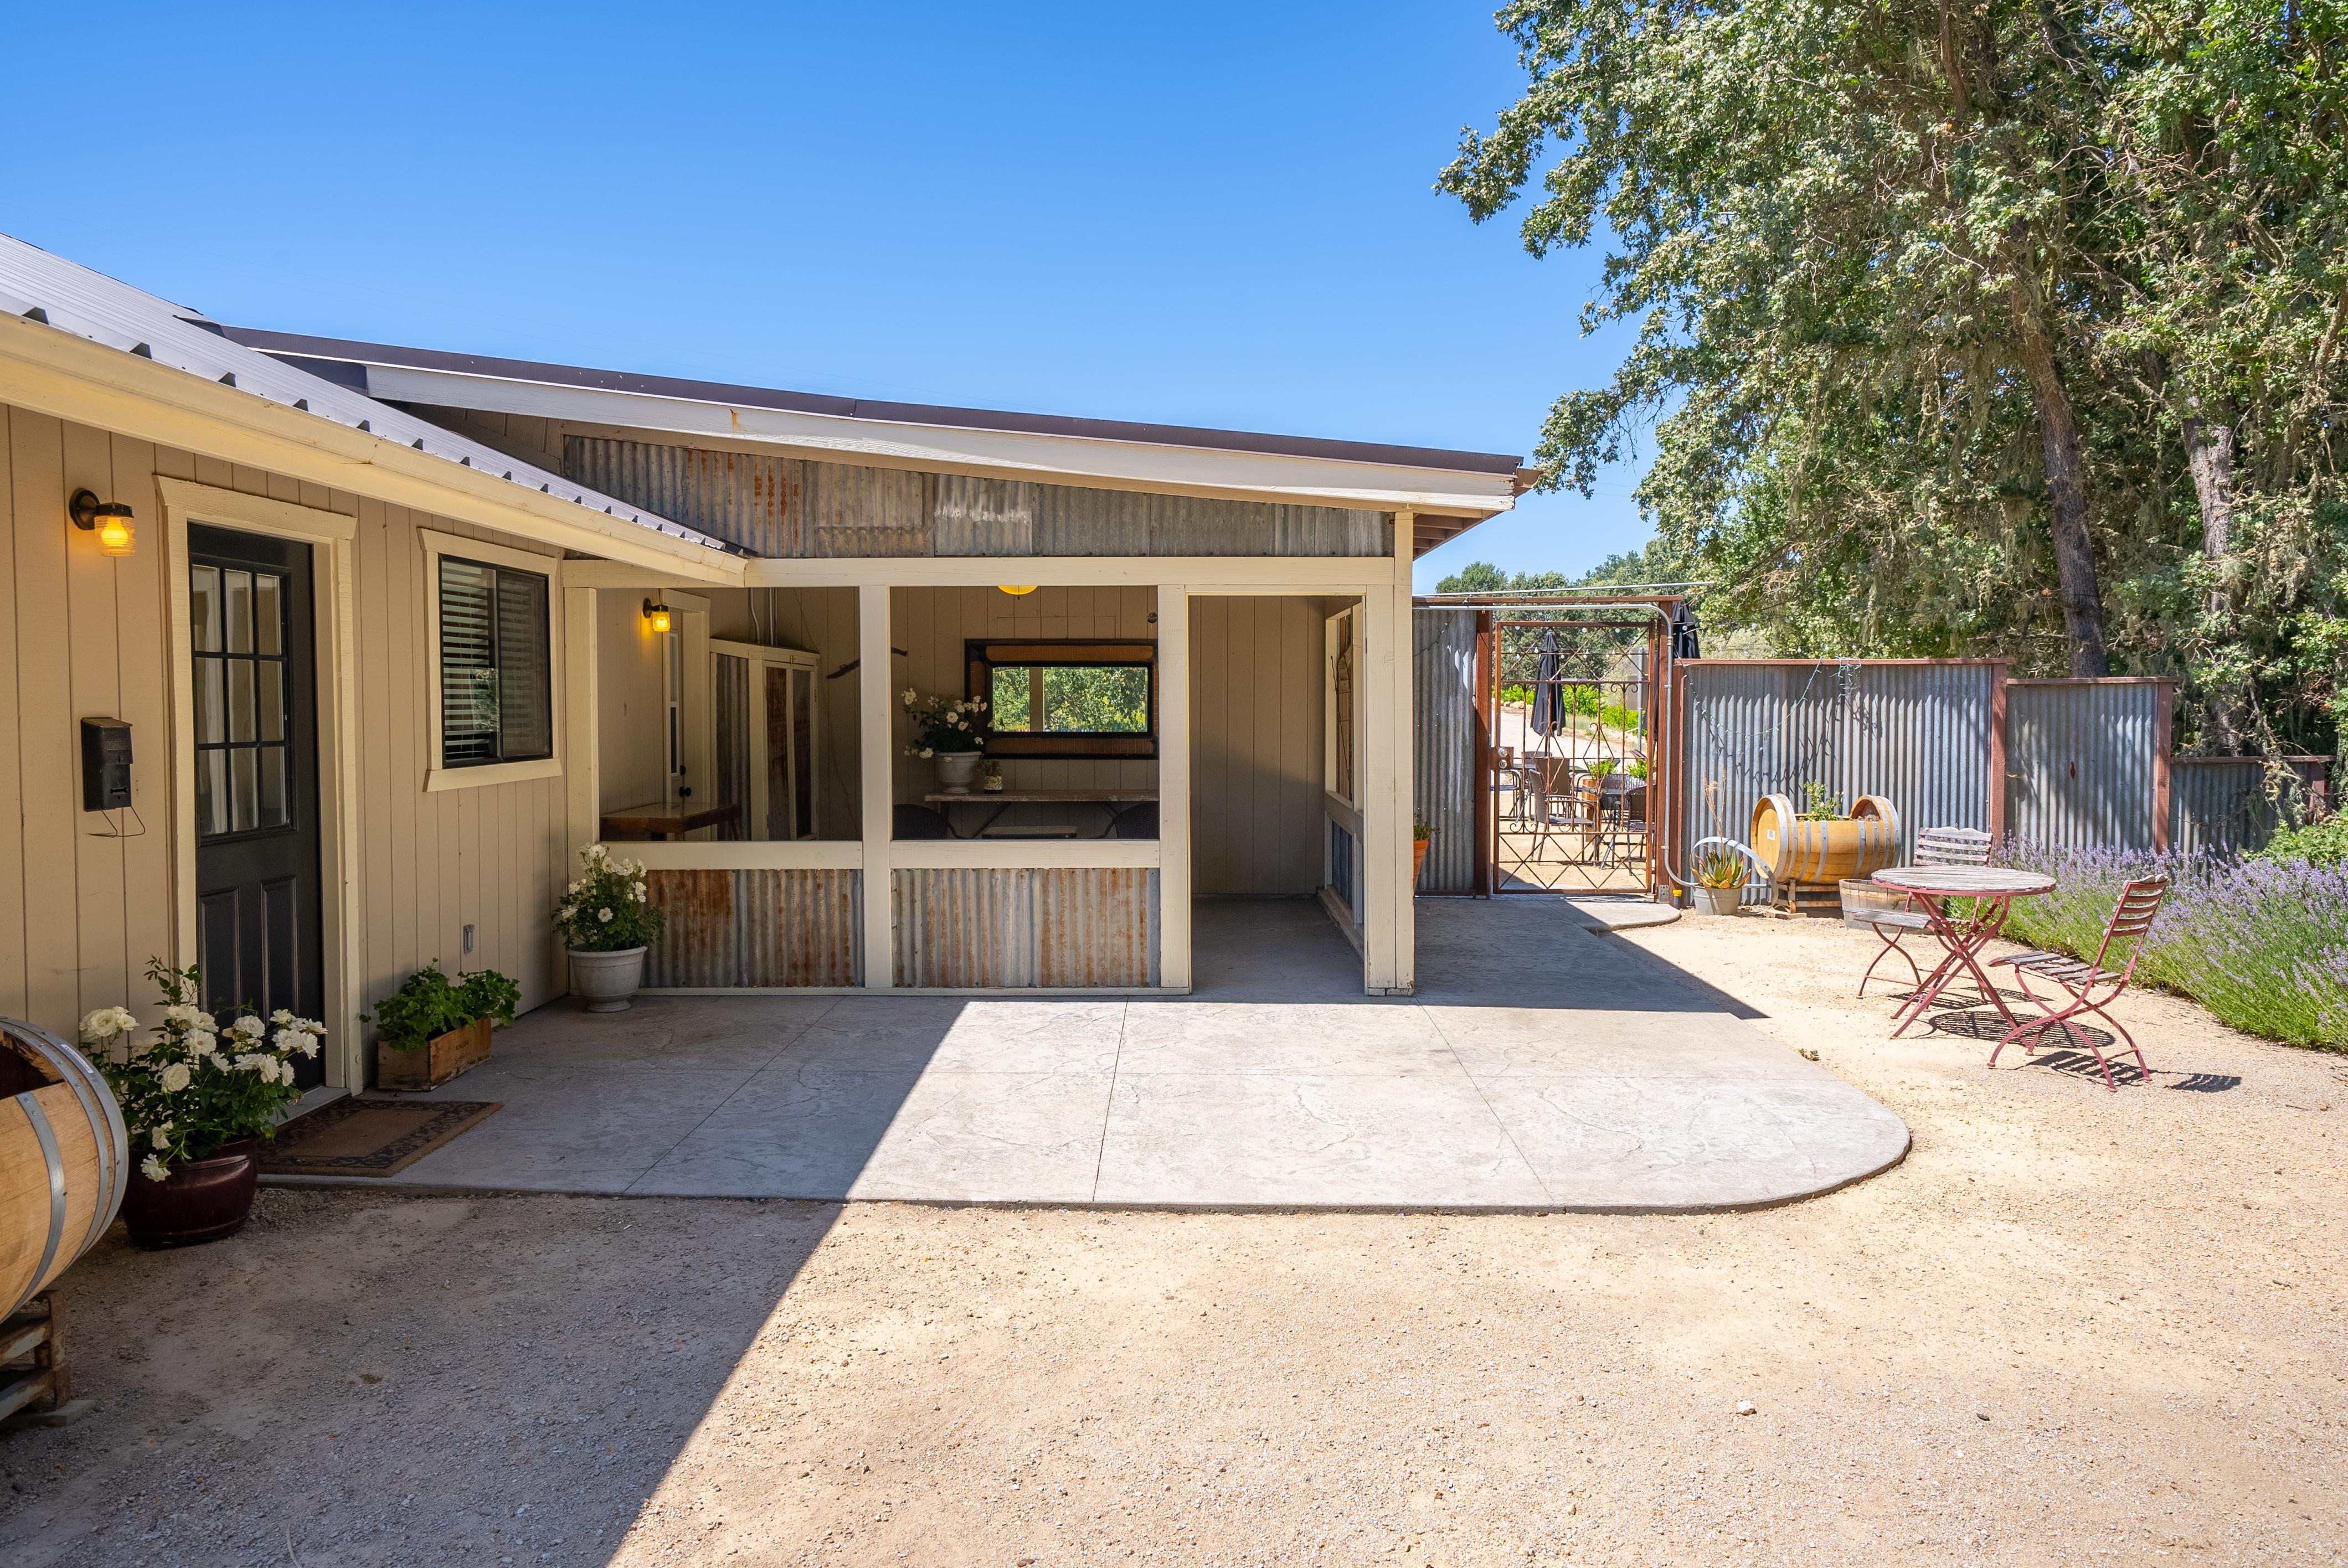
(80, 913)
(793, 507)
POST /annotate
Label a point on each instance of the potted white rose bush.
(607, 920)
(197, 1098)
(949, 732)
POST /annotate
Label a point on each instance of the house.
(395, 632)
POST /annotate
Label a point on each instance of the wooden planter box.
(441, 1059)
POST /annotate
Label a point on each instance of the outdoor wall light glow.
(657, 614)
(1020, 592)
(109, 521)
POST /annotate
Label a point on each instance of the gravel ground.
(2073, 1326)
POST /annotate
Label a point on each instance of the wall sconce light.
(657, 614)
(109, 521)
(1020, 592)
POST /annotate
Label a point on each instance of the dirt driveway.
(2070, 1328)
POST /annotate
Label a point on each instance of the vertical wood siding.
(1012, 929)
(1255, 764)
(82, 914)
(763, 929)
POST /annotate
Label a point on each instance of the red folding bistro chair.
(2080, 982)
(1891, 915)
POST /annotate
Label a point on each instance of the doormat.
(354, 1137)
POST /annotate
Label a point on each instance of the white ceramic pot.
(605, 981)
(956, 769)
(1718, 900)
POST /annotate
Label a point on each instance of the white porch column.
(1389, 929)
(1174, 786)
(876, 749)
(583, 785)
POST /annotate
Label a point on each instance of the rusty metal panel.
(1070, 521)
(857, 512)
(984, 517)
(2079, 762)
(2219, 804)
(742, 498)
(757, 928)
(1096, 926)
(1917, 734)
(1330, 531)
(962, 929)
(1443, 715)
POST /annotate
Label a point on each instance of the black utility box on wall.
(105, 765)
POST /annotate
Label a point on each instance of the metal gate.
(1575, 770)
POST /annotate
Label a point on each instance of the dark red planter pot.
(202, 1200)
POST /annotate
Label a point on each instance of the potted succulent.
(197, 1099)
(990, 776)
(433, 1027)
(606, 922)
(1720, 875)
(1421, 836)
(948, 731)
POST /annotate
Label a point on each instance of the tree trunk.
(2210, 452)
(2066, 484)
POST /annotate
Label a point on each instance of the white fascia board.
(72, 377)
(1078, 460)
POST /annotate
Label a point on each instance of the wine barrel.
(64, 1160)
(1796, 850)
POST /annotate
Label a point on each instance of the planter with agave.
(607, 921)
(198, 1097)
(949, 732)
(433, 1027)
(1421, 837)
(1720, 878)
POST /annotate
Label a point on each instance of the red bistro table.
(1995, 888)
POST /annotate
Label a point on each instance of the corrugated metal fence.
(2087, 762)
(1443, 777)
(1919, 734)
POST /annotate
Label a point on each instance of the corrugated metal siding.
(2079, 762)
(1010, 929)
(1916, 734)
(788, 507)
(2218, 803)
(1443, 732)
(758, 929)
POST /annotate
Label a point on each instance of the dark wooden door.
(257, 883)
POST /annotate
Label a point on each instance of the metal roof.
(351, 359)
(74, 299)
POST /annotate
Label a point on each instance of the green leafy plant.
(1602, 767)
(1819, 803)
(428, 1003)
(1420, 833)
(606, 910)
(192, 1086)
(1720, 868)
(1638, 768)
(1522, 695)
(950, 725)
(2322, 843)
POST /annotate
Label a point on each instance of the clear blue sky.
(1220, 215)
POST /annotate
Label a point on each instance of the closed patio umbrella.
(1547, 716)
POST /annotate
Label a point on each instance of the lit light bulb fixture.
(1019, 591)
(657, 614)
(109, 521)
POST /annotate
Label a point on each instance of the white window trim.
(436, 545)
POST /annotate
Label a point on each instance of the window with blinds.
(496, 667)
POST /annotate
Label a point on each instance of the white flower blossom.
(161, 1136)
(175, 1077)
(929, 751)
(309, 1046)
(261, 1063)
(248, 1028)
(283, 1018)
(603, 917)
(287, 1039)
(108, 1023)
(185, 1016)
(153, 1169)
(204, 1046)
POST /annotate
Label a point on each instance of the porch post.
(1389, 934)
(876, 748)
(1174, 786)
(581, 770)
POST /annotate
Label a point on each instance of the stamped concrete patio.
(1540, 1067)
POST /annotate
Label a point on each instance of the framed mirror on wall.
(1066, 698)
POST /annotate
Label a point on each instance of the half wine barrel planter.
(64, 1160)
(1801, 852)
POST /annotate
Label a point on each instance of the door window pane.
(245, 809)
(237, 595)
(271, 678)
(269, 621)
(211, 701)
(241, 718)
(203, 607)
(211, 792)
(272, 763)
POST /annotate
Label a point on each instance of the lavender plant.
(2263, 944)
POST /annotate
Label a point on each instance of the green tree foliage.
(1966, 327)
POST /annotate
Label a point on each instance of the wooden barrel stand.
(33, 1382)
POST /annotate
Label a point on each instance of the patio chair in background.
(1891, 914)
(2132, 916)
